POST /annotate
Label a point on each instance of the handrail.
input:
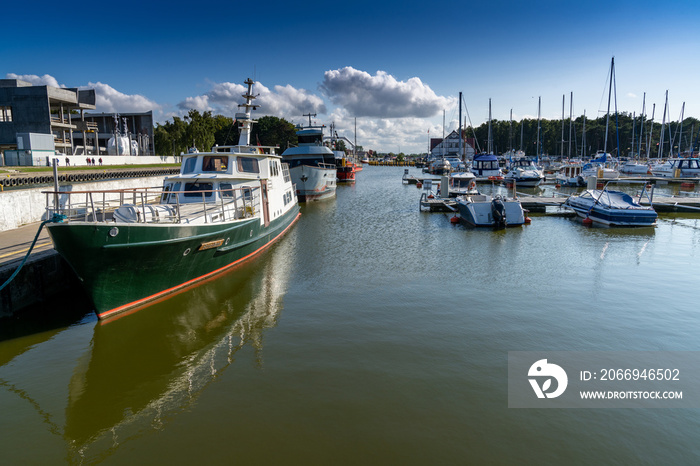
(89, 210)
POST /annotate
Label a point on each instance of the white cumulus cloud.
(110, 100)
(382, 95)
(45, 80)
(281, 101)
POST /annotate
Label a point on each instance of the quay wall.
(45, 277)
(24, 206)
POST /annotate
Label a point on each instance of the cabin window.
(248, 165)
(226, 189)
(188, 166)
(195, 189)
(214, 163)
(164, 196)
(313, 139)
(173, 195)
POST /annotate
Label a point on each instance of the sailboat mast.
(651, 129)
(607, 118)
(641, 129)
(634, 124)
(537, 145)
(563, 101)
(571, 114)
(442, 144)
(583, 136)
(680, 131)
(489, 142)
(522, 125)
(663, 126)
(510, 133)
(461, 151)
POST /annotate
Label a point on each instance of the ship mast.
(244, 118)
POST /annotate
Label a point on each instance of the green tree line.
(204, 130)
(621, 128)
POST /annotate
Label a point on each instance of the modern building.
(29, 109)
(133, 132)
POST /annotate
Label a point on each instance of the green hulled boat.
(224, 207)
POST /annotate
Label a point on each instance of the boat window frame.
(189, 165)
(242, 165)
(215, 163)
(197, 193)
(226, 190)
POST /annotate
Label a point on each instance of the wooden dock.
(418, 179)
(661, 203)
(438, 204)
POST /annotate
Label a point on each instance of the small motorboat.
(613, 208)
(481, 210)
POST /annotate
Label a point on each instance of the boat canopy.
(613, 199)
(485, 158)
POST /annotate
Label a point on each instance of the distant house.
(449, 147)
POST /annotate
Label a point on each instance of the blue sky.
(395, 66)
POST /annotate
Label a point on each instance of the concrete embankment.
(45, 275)
(27, 205)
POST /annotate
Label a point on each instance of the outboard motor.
(498, 212)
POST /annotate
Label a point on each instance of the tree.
(200, 131)
(273, 131)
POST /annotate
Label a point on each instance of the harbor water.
(371, 333)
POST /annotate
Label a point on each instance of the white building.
(449, 147)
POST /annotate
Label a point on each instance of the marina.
(342, 352)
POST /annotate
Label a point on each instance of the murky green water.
(371, 334)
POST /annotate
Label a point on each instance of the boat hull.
(313, 183)
(480, 214)
(611, 216)
(127, 266)
(346, 173)
(528, 182)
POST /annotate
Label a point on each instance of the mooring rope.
(57, 218)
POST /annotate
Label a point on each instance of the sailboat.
(485, 166)
(604, 166)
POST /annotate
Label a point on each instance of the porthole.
(114, 232)
(187, 251)
(227, 240)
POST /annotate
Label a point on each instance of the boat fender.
(430, 196)
(587, 221)
(454, 219)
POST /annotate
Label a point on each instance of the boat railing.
(645, 192)
(155, 205)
